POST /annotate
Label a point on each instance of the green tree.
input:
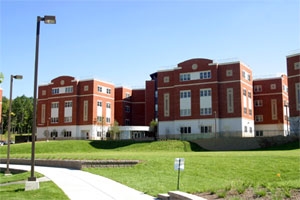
(115, 131)
(153, 128)
(1, 77)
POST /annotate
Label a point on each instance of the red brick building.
(271, 106)
(293, 73)
(68, 108)
(202, 97)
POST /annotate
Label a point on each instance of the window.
(69, 89)
(258, 103)
(67, 133)
(274, 109)
(166, 104)
(273, 86)
(86, 88)
(259, 133)
(99, 103)
(229, 72)
(245, 129)
(230, 106)
(244, 92)
(185, 94)
(99, 118)
(127, 95)
(297, 88)
(54, 105)
(257, 88)
(107, 119)
(185, 77)
(127, 109)
(68, 104)
(127, 122)
(166, 79)
(259, 118)
(108, 91)
(53, 134)
(85, 110)
(205, 111)
(99, 89)
(205, 129)
(55, 90)
(205, 92)
(297, 65)
(205, 75)
(44, 92)
(184, 130)
(249, 94)
(107, 105)
(54, 120)
(68, 119)
(185, 112)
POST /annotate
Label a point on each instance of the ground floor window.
(186, 129)
(68, 134)
(259, 133)
(205, 129)
(53, 134)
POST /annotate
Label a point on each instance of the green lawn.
(215, 172)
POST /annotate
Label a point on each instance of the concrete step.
(163, 196)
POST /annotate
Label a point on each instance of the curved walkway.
(78, 184)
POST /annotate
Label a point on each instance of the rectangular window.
(54, 120)
(54, 105)
(55, 90)
(67, 133)
(185, 103)
(68, 119)
(245, 129)
(257, 88)
(99, 89)
(166, 79)
(43, 113)
(68, 104)
(205, 129)
(127, 122)
(127, 109)
(85, 110)
(166, 104)
(185, 130)
(228, 72)
(230, 106)
(259, 133)
(273, 86)
(99, 118)
(107, 119)
(274, 109)
(297, 65)
(108, 91)
(185, 77)
(86, 88)
(107, 105)
(127, 95)
(259, 118)
(297, 87)
(99, 103)
(69, 89)
(258, 103)
(205, 75)
(44, 92)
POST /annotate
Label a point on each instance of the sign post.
(179, 165)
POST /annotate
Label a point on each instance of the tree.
(115, 131)
(1, 77)
(22, 107)
(153, 128)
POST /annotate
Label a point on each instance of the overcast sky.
(124, 41)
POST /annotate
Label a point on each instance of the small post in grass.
(179, 165)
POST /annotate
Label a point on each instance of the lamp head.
(18, 77)
(49, 19)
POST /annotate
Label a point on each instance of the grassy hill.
(274, 171)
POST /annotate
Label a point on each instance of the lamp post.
(47, 20)
(12, 77)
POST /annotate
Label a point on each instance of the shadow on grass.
(114, 144)
(12, 171)
(288, 146)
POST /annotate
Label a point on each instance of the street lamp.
(12, 77)
(47, 20)
(286, 105)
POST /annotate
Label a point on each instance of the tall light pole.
(286, 105)
(12, 77)
(47, 20)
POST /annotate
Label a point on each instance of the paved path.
(78, 184)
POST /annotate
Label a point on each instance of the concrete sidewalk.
(78, 184)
